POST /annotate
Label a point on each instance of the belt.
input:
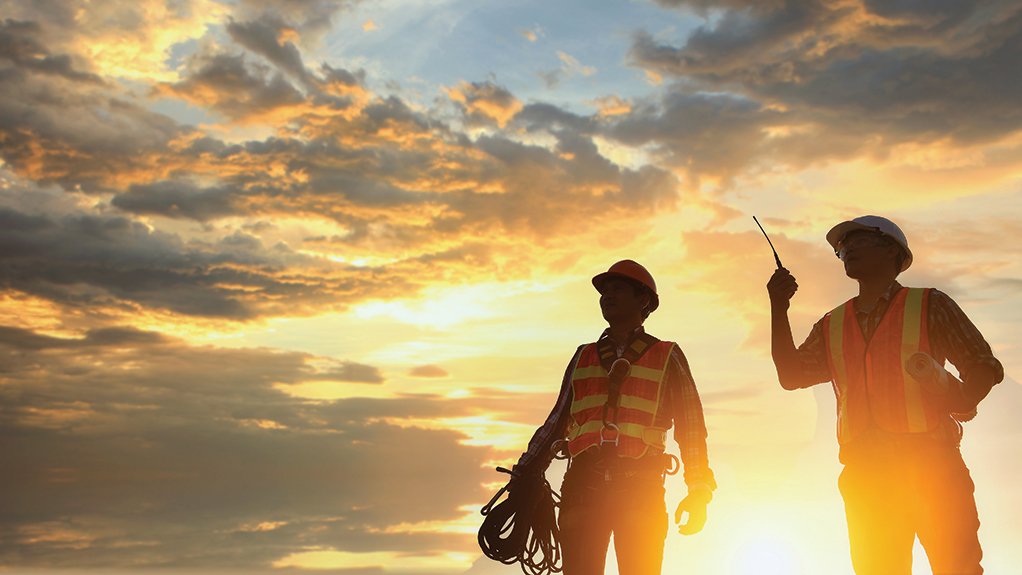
(899, 445)
(613, 468)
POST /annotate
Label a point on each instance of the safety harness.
(522, 527)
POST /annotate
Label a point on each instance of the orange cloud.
(486, 100)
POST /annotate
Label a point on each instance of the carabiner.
(673, 465)
(617, 434)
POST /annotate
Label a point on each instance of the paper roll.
(924, 369)
(935, 379)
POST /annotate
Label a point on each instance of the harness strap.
(635, 348)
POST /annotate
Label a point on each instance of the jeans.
(593, 507)
(892, 496)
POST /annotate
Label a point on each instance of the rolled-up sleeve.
(689, 424)
(538, 455)
(959, 339)
(812, 356)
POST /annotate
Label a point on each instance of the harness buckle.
(617, 434)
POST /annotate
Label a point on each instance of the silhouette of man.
(612, 417)
(898, 430)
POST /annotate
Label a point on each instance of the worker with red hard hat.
(618, 397)
(899, 412)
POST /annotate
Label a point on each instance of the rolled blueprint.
(931, 375)
(935, 379)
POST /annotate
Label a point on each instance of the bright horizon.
(283, 282)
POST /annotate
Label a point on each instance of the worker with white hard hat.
(899, 433)
(619, 397)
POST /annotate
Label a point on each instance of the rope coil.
(523, 527)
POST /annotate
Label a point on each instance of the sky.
(283, 281)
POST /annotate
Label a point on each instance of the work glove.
(695, 505)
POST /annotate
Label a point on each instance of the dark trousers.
(630, 507)
(892, 496)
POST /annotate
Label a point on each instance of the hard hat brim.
(841, 230)
(598, 280)
(844, 228)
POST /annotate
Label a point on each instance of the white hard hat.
(872, 223)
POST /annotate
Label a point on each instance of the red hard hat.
(634, 271)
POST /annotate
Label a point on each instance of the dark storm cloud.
(740, 36)
(312, 18)
(20, 45)
(898, 71)
(93, 262)
(704, 133)
(133, 449)
(263, 37)
(235, 87)
(24, 339)
(177, 199)
(104, 140)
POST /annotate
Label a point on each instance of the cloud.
(612, 106)
(129, 448)
(377, 179)
(268, 38)
(310, 19)
(106, 142)
(485, 102)
(354, 372)
(177, 199)
(570, 66)
(532, 34)
(885, 73)
(118, 39)
(428, 371)
(710, 134)
(234, 87)
(20, 45)
(111, 264)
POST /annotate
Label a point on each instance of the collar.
(631, 349)
(886, 297)
(635, 332)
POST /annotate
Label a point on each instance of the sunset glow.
(283, 282)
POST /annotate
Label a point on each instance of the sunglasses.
(867, 240)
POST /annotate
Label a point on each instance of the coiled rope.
(523, 527)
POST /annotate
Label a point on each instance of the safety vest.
(640, 396)
(870, 381)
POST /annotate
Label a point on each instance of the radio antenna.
(776, 259)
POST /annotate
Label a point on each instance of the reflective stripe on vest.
(870, 380)
(641, 393)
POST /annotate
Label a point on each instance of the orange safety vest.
(640, 396)
(871, 383)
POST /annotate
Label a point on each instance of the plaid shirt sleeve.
(538, 455)
(958, 339)
(812, 355)
(689, 425)
(951, 332)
